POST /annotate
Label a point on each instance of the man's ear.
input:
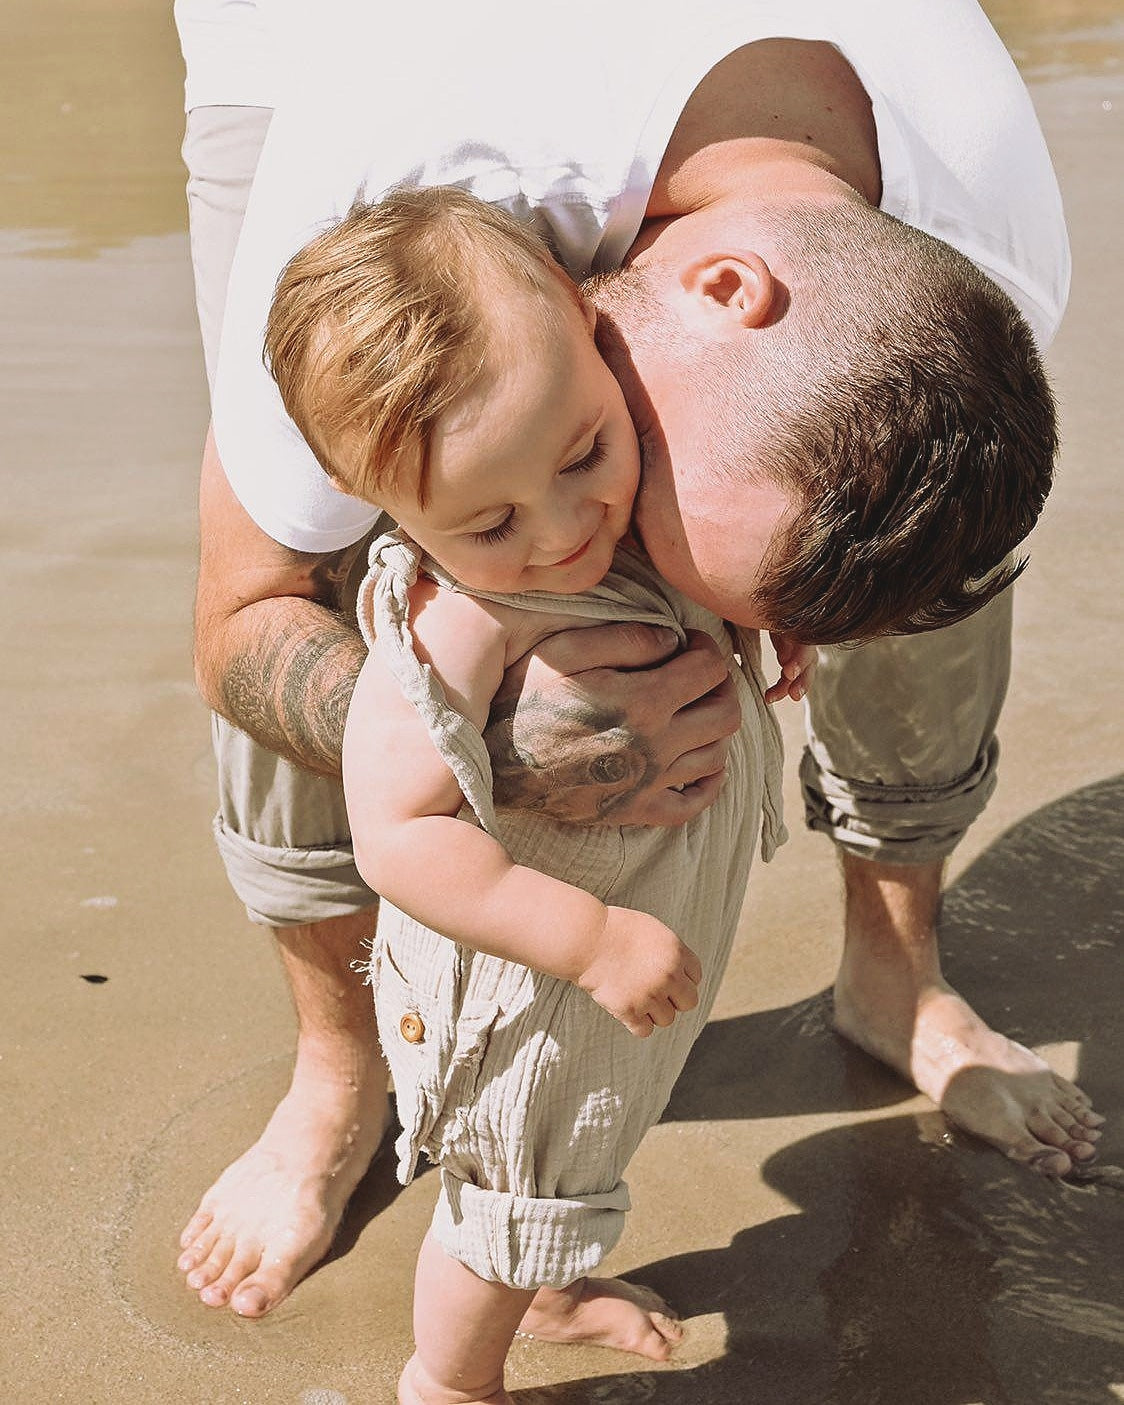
(735, 285)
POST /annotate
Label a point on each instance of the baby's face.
(532, 474)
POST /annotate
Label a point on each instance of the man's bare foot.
(984, 1082)
(416, 1388)
(272, 1214)
(892, 1000)
(605, 1312)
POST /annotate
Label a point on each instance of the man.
(844, 431)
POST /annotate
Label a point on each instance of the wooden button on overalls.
(412, 1027)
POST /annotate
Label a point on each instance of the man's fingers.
(623, 646)
(710, 719)
(696, 765)
(692, 675)
(668, 809)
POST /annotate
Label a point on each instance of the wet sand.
(839, 1245)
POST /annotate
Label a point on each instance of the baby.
(442, 366)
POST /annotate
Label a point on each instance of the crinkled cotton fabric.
(529, 1096)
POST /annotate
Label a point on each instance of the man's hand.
(798, 668)
(642, 973)
(614, 723)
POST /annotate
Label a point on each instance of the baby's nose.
(561, 530)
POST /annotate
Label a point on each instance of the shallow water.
(90, 111)
(1061, 38)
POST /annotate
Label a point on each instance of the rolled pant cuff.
(903, 824)
(284, 887)
(524, 1241)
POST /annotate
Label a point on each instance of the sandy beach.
(827, 1238)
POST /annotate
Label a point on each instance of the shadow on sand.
(922, 1268)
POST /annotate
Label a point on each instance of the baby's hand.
(642, 973)
(798, 667)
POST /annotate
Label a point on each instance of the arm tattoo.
(565, 757)
(290, 684)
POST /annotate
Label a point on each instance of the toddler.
(442, 366)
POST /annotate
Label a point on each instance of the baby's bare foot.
(984, 1082)
(416, 1388)
(605, 1312)
(271, 1215)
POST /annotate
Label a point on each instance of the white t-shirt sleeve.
(270, 468)
(228, 53)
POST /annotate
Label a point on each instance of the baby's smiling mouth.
(575, 555)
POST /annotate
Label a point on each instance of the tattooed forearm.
(290, 688)
(565, 757)
(283, 668)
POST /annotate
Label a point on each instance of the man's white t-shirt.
(228, 53)
(568, 127)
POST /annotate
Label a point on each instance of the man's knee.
(912, 824)
(283, 836)
(902, 753)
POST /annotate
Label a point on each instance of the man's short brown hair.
(379, 325)
(899, 401)
(922, 458)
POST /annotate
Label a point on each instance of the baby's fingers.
(793, 687)
(682, 989)
(639, 1025)
(685, 996)
(663, 1012)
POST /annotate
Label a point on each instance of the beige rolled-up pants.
(901, 753)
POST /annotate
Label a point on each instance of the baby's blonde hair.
(380, 324)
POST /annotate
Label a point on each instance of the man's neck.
(783, 104)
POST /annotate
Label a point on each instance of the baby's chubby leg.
(463, 1328)
(464, 1325)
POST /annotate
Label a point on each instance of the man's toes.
(195, 1228)
(1046, 1160)
(1052, 1126)
(199, 1251)
(214, 1266)
(1077, 1103)
(1070, 1094)
(661, 1335)
(262, 1293)
(238, 1270)
(1061, 1129)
